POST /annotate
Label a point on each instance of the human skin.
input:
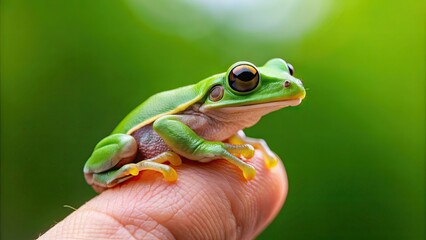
(209, 201)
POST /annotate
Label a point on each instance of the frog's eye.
(290, 69)
(216, 93)
(243, 78)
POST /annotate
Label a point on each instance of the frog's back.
(160, 104)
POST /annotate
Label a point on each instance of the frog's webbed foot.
(270, 158)
(113, 177)
(232, 153)
(244, 150)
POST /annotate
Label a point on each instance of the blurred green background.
(354, 150)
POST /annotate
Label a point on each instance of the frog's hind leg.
(110, 152)
(271, 159)
(113, 177)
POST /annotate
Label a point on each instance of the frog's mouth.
(264, 108)
(269, 105)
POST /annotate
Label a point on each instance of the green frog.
(200, 122)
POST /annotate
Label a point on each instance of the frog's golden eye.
(243, 78)
(216, 93)
(290, 69)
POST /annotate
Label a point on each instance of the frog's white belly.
(219, 124)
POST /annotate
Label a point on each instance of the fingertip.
(268, 191)
(211, 198)
(208, 201)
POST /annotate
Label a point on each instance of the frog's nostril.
(287, 84)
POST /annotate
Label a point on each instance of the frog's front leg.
(271, 159)
(184, 141)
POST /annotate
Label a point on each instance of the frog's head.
(245, 87)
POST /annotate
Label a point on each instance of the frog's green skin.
(194, 123)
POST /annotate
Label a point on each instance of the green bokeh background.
(354, 150)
